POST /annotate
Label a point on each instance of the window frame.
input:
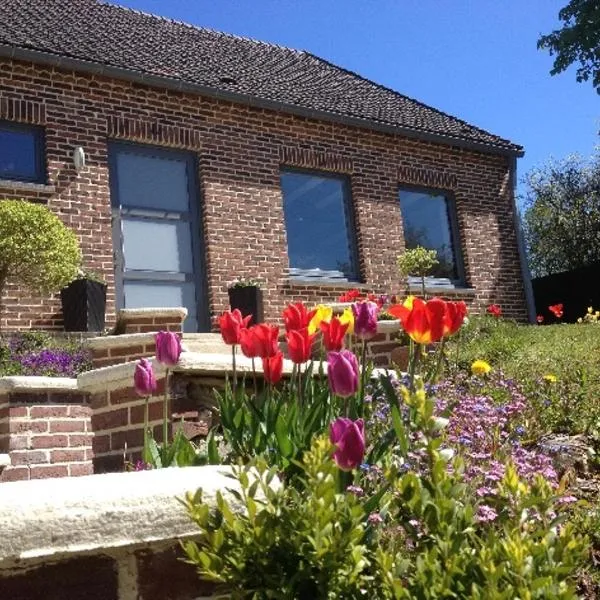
(455, 232)
(348, 205)
(39, 148)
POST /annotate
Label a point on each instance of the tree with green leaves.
(37, 250)
(577, 41)
(562, 215)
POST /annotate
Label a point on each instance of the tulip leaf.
(283, 438)
(399, 429)
(211, 446)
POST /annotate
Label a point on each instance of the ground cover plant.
(557, 365)
(424, 485)
(36, 353)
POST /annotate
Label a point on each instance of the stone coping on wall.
(118, 376)
(113, 377)
(51, 519)
(119, 341)
(178, 312)
(31, 383)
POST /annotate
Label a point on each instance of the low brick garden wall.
(104, 537)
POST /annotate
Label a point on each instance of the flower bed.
(427, 486)
(33, 353)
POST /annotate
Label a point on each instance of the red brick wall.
(240, 151)
(45, 434)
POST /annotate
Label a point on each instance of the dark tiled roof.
(121, 38)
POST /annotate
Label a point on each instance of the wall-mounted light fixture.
(78, 158)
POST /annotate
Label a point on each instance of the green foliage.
(578, 40)
(36, 249)
(562, 215)
(305, 542)
(417, 262)
(314, 539)
(276, 423)
(181, 452)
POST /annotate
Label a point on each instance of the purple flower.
(144, 380)
(365, 319)
(486, 514)
(375, 519)
(168, 348)
(342, 372)
(349, 439)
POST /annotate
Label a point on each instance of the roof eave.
(90, 67)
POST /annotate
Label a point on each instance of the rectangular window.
(430, 221)
(22, 153)
(319, 225)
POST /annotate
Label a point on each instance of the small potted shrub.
(84, 303)
(37, 250)
(246, 296)
(417, 262)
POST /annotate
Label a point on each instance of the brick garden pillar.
(45, 428)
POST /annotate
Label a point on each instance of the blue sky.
(475, 59)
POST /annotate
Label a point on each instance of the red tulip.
(494, 310)
(266, 340)
(296, 317)
(231, 324)
(168, 348)
(273, 368)
(455, 315)
(299, 345)
(144, 380)
(349, 439)
(556, 310)
(333, 334)
(423, 321)
(540, 319)
(248, 343)
(342, 372)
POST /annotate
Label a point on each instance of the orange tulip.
(424, 322)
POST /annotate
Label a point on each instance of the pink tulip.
(365, 319)
(144, 380)
(168, 348)
(342, 371)
(349, 439)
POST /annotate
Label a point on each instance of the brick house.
(209, 156)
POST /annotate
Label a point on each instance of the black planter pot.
(84, 305)
(249, 301)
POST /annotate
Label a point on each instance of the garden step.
(208, 343)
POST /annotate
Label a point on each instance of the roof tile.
(119, 37)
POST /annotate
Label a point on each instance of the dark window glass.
(427, 223)
(21, 155)
(318, 224)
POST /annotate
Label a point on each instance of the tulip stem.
(458, 340)
(363, 375)
(254, 376)
(439, 360)
(165, 413)
(300, 385)
(234, 371)
(146, 453)
(414, 358)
